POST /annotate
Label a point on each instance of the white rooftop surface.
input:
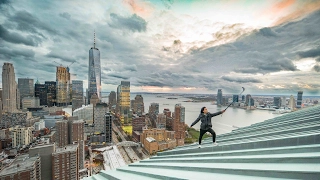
(113, 159)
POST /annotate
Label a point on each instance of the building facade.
(99, 119)
(63, 86)
(299, 99)
(123, 99)
(77, 94)
(26, 88)
(9, 88)
(51, 87)
(219, 97)
(94, 73)
(28, 102)
(112, 100)
(61, 133)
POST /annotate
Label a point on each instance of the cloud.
(12, 53)
(29, 23)
(65, 15)
(61, 57)
(17, 38)
(133, 23)
(117, 76)
(316, 68)
(310, 53)
(241, 79)
(4, 2)
(131, 67)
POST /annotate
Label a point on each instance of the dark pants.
(202, 132)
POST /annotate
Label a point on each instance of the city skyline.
(268, 47)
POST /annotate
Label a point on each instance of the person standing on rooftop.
(206, 125)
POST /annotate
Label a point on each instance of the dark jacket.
(205, 120)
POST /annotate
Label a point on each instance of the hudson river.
(221, 124)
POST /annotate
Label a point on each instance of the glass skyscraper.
(94, 73)
(219, 97)
(299, 99)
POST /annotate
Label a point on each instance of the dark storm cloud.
(310, 53)
(241, 80)
(318, 59)
(3, 2)
(65, 15)
(29, 23)
(118, 76)
(59, 56)
(316, 68)
(11, 53)
(17, 38)
(131, 67)
(268, 32)
(133, 23)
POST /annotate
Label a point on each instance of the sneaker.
(199, 146)
(215, 144)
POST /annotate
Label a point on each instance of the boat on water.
(172, 98)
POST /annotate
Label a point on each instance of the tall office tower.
(292, 103)
(235, 98)
(76, 130)
(63, 86)
(154, 108)
(283, 101)
(124, 102)
(108, 125)
(45, 152)
(51, 87)
(242, 98)
(161, 121)
(248, 97)
(62, 133)
(299, 99)
(65, 163)
(26, 88)
(9, 88)
(77, 94)
(138, 105)
(112, 100)
(99, 119)
(277, 101)
(179, 121)
(219, 97)
(138, 123)
(40, 91)
(94, 73)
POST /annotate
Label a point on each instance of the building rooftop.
(21, 163)
(70, 148)
(150, 139)
(284, 147)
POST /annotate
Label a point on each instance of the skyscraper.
(40, 91)
(62, 133)
(235, 98)
(9, 88)
(51, 87)
(292, 103)
(108, 126)
(99, 112)
(138, 105)
(277, 101)
(179, 121)
(112, 100)
(63, 85)
(77, 94)
(94, 73)
(26, 88)
(124, 105)
(299, 99)
(219, 97)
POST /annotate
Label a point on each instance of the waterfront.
(232, 118)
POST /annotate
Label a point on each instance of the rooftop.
(285, 147)
(21, 163)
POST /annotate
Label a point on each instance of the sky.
(168, 46)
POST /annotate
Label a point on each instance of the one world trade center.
(94, 75)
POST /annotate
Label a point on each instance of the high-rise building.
(62, 133)
(108, 125)
(45, 152)
(292, 103)
(28, 102)
(235, 98)
(76, 131)
(23, 167)
(219, 97)
(248, 97)
(51, 87)
(77, 94)
(26, 88)
(179, 122)
(65, 163)
(112, 100)
(21, 136)
(299, 99)
(277, 101)
(161, 121)
(94, 73)
(138, 123)
(63, 86)
(9, 88)
(40, 91)
(138, 105)
(99, 118)
(124, 106)
(154, 108)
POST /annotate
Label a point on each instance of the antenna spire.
(94, 39)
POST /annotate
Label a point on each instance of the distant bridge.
(127, 143)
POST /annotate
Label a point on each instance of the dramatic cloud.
(241, 80)
(133, 23)
(17, 38)
(316, 68)
(310, 53)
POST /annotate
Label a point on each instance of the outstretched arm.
(196, 121)
(217, 113)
